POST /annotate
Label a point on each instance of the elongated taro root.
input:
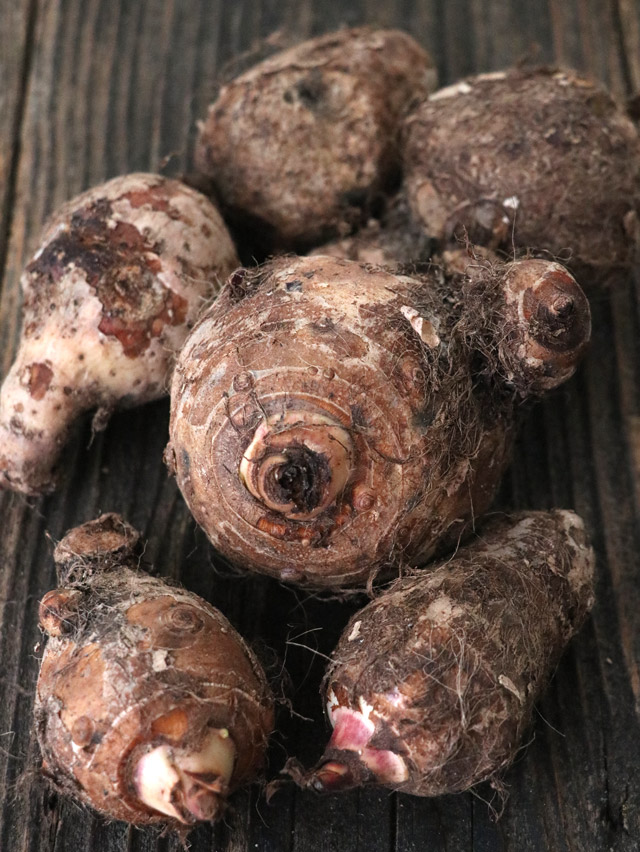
(331, 420)
(121, 274)
(149, 706)
(306, 139)
(432, 685)
(540, 158)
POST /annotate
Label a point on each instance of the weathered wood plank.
(16, 36)
(116, 85)
(628, 20)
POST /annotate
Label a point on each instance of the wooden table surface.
(94, 88)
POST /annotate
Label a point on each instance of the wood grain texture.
(16, 36)
(93, 88)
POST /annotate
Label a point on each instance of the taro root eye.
(299, 480)
(184, 617)
(298, 464)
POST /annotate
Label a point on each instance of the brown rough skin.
(396, 240)
(134, 667)
(305, 140)
(432, 685)
(331, 420)
(528, 158)
(121, 273)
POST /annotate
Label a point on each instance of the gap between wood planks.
(6, 210)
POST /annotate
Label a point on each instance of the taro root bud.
(121, 274)
(302, 142)
(331, 421)
(149, 706)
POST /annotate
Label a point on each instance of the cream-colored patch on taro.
(561, 78)
(355, 631)
(160, 661)
(156, 779)
(441, 611)
(332, 702)
(365, 709)
(583, 562)
(90, 354)
(571, 523)
(492, 75)
(516, 297)
(509, 685)
(423, 327)
(462, 88)
(76, 302)
(519, 532)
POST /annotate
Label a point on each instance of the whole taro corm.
(120, 275)
(149, 706)
(332, 420)
(432, 685)
(527, 158)
(302, 142)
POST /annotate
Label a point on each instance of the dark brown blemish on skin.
(157, 197)
(122, 267)
(135, 336)
(40, 376)
(311, 90)
(241, 284)
(358, 419)
(300, 480)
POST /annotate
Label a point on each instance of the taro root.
(527, 158)
(149, 705)
(394, 240)
(303, 142)
(330, 420)
(432, 685)
(120, 276)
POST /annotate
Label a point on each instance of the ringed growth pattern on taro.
(331, 421)
(300, 146)
(149, 706)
